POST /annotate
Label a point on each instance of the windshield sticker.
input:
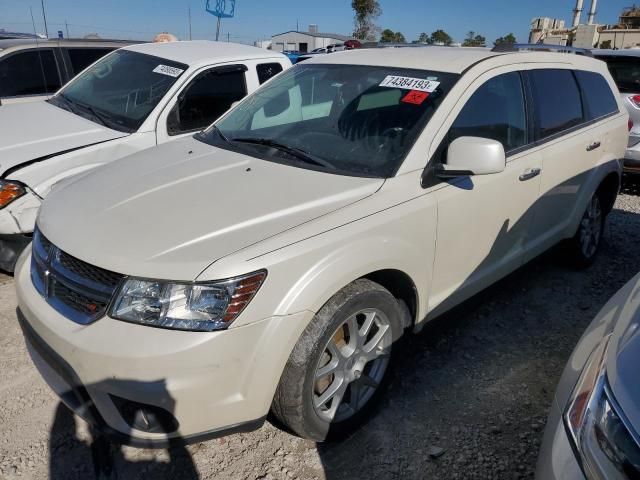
(415, 97)
(408, 83)
(166, 70)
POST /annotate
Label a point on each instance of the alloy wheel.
(591, 228)
(352, 365)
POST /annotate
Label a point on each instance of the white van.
(132, 99)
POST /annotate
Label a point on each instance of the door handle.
(593, 146)
(530, 173)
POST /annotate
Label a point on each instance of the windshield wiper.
(293, 151)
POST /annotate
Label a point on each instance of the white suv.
(273, 261)
(134, 98)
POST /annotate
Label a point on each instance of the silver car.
(593, 429)
(624, 66)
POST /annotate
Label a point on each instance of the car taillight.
(635, 100)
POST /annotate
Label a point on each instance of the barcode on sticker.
(167, 70)
(409, 83)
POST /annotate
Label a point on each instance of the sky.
(259, 19)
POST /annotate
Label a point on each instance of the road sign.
(221, 8)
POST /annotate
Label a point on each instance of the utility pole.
(46, 31)
(228, 37)
(190, 22)
(218, 30)
(66, 25)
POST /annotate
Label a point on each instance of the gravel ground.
(469, 399)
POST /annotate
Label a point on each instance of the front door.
(483, 220)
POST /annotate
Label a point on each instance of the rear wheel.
(584, 246)
(340, 365)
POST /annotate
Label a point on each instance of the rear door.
(570, 145)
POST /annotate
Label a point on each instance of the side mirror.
(234, 104)
(473, 156)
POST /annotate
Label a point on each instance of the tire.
(583, 248)
(328, 359)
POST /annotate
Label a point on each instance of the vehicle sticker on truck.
(167, 70)
(408, 83)
(415, 97)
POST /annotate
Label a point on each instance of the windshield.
(120, 90)
(625, 72)
(347, 119)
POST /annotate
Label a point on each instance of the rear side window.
(599, 99)
(33, 72)
(268, 70)
(557, 101)
(495, 111)
(81, 58)
(206, 98)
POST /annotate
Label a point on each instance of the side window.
(267, 70)
(495, 111)
(81, 58)
(558, 105)
(206, 98)
(599, 99)
(33, 72)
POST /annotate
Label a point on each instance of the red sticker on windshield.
(415, 97)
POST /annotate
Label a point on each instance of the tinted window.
(598, 96)
(625, 72)
(205, 99)
(81, 58)
(121, 89)
(558, 105)
(267, 70)
(496, 111)
(33, 72)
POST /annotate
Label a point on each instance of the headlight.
(203, 307)
(9, 191)
(606, 446)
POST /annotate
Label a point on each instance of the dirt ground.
(469, 398)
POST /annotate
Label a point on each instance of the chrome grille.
(76, 289)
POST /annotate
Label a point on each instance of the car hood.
(38, 129)
(624, 357)
(172, 210)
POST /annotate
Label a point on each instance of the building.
(625, 34)
(304, 42)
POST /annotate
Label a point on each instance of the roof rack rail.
(538, 47)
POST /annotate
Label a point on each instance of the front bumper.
(183, 386)
(557, 459)
(11, 246)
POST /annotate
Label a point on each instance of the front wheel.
(585, 244)
(340, 365)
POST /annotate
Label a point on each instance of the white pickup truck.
(132, 99)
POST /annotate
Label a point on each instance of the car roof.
(445, 59)
(6, 43)
(197, 52)
(628, 52)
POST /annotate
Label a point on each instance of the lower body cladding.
(152, 387)
(632, 159)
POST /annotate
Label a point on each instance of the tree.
(423, 38)
(366, 11)
(506, 40)
(474, 40)
(389, 36)
(606, 45)
(440, 36)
